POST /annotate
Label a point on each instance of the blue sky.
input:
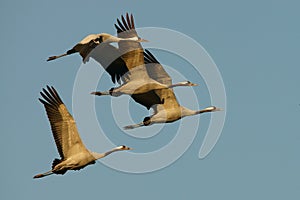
(256, 48)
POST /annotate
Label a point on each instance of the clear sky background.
(255, 44)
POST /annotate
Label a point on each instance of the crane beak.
(219, 109)
(142, 40)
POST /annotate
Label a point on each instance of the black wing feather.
(149, 56)
(128, 21)
(118, 29)
(144, 99)
(124, 22)
(121, 25)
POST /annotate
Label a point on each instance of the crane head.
(212, 109)
(123, 147)
(187, 83)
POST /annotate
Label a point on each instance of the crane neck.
(181, 84)
(176, 85)
(188, 112)
(117, 39)
(102, 155)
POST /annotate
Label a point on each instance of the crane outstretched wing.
(110, 59)
(132, 54)
(157, 72)
(155, 69)
(147, 99)
(132, 51)
(63, 126)
(108, 56)
(157, 99)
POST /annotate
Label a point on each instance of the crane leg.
(97, 93)
(134, 126)
(44, 174)
(111, 92)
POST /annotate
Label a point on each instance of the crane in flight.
(169, 110)
(73, 154)
(87, 44)
(107, 55)
(130, 53)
